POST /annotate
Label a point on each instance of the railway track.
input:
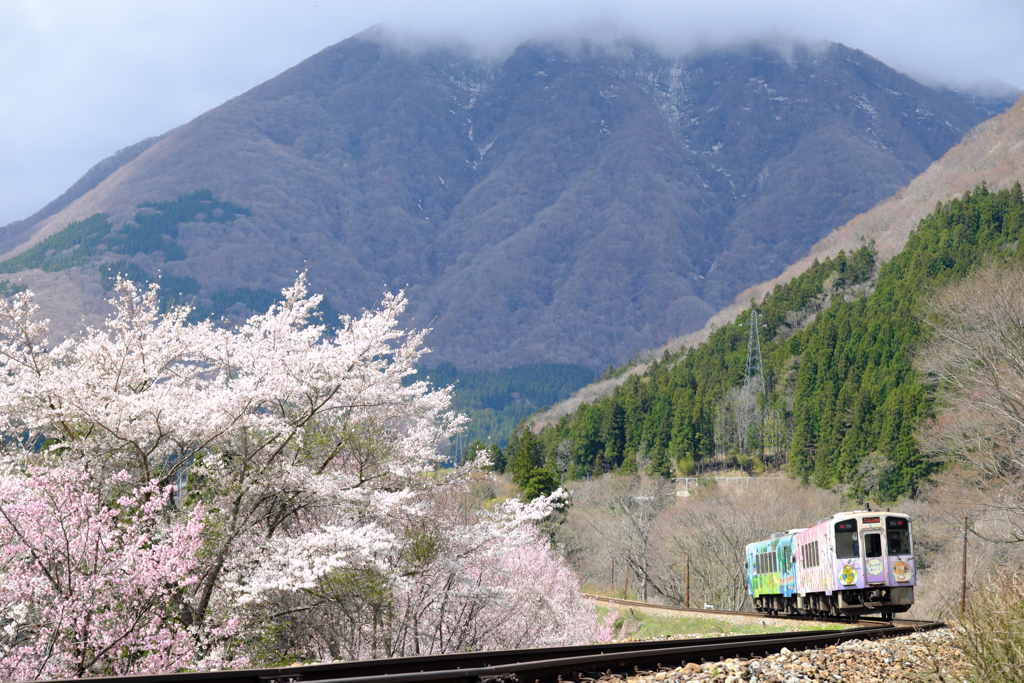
(544, 665)
(756, 615)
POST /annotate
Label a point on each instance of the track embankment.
(680, 659)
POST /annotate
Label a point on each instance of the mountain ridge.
(992, 153)
(548, 208)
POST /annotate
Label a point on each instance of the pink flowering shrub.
(87, 587)
(544, 605)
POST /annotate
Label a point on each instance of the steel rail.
(543, 664)
(753, 615)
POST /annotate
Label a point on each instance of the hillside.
(842, 399)
(556, 207)
(992, 153)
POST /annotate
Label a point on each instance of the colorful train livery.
(852, 563)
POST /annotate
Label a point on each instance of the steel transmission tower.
(754, 374)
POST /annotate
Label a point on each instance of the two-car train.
(851, 563)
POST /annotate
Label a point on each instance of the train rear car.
(771, 573)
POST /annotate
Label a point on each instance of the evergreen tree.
(526, 459)
(497, 458)
(542, 482)
(613, 432)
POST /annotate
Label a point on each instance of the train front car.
(856, 563)
(771, 574)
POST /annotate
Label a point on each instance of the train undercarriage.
(852, 603)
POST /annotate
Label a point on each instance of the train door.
(874, 557)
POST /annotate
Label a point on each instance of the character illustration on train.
(852, 563)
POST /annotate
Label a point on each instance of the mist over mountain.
(556, 206)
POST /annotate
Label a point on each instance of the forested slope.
(842, 396)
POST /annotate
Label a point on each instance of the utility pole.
(687, 581)
(625, 595)
(963, 574)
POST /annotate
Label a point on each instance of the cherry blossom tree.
(89, 588)
(305, 463)
(463, 579)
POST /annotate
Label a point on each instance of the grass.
(992, 633)
(640, 624)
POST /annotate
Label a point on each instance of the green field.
(641, 624)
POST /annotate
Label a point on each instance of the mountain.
(992, 154)
(559, 206)
(17, 232)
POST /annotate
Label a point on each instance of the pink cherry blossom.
(87, 587)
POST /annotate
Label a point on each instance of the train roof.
(867, 512)
(836, 516)
(848, 513)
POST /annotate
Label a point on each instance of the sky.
(80, 80)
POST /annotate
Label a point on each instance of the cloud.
(80, 80)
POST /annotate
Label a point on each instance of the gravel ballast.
(928, 655)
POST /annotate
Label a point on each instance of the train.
(850, 564)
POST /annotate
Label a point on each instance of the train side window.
(846, 539)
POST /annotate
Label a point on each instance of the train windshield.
(846, 540)
(897, 532)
